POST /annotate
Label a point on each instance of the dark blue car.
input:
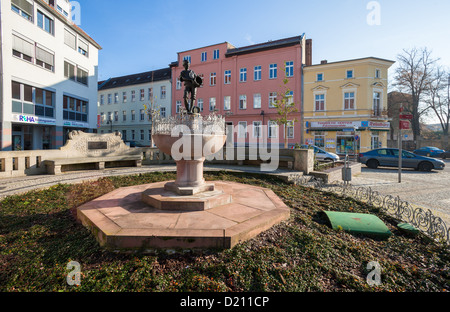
(388, 157)
(429, 151)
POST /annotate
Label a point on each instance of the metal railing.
(423, 219)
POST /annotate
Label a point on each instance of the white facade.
(49, 75)
(124, 104)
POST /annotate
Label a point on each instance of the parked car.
(134, 144)
(445, 155)
(388, 157)
(429, 151)
(321, 154)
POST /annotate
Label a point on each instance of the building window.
(83, 48)
(150, 94)
(102, 99)
(150, 135)
(290, 98)
(178, 106)
(243, 75)
(257, 73)
(188, 58)
(162, 112)
(377, 107)
(349, 100)
(133, 115)
(204, 56)
(212, 79)
(273, 71)
(242, 129)
(212, 104)
(142, 92)
(290, 129)
(257, 100)
(319, 140)
(227, 78)
(75, 73)
(257, 129)
(319, 77)
(124, 135)
(142, 115)
(23, 49)
(109, 99)
(142, 135)
(319, 102)
(116, 98)
(133, 135)
(273, 129)
(33, 101)
(45, 22)
(377, 73)
(70, 39)
(23, 8)
(272, 99)
(216, 54)
(45, 59)
(133, 96)
(116, 116)
(349, 74)
(290, 69)
(227, 102)
(163, 92)
(124, 97)
(243, 101)
(178, 85)
(124, 115)
(76, 109)
(200, 104)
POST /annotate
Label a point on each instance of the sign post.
(403, 125)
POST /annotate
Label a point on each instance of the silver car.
(321, 154)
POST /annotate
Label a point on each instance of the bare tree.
(438, 100)
(414, 74)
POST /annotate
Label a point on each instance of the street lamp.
(110, 122)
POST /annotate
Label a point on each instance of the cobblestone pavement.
(430, 190)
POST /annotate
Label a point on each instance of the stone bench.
(56, 166)
(92, 151)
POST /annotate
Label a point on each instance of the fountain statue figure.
(191, 82)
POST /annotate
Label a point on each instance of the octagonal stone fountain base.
(124, 220)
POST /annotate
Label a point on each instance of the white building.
(48, 75)
(124, 103)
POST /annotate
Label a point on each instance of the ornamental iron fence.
(423, 219)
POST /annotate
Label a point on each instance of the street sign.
(404, 124)
(406, 116)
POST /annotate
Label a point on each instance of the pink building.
(241, 83)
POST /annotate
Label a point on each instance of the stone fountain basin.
(201, 145)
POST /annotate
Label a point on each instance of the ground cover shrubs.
(39, 236)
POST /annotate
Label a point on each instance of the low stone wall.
(335, 174)
(24, 163)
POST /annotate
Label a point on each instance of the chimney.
(308, 52)
(323, 62)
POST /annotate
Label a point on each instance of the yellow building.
(345, 105)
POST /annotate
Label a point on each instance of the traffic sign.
(406, 116)
(404, 124)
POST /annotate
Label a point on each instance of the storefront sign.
(349, 125)
(33, 120)
(335, 124)
(381, 125)
(75, 124)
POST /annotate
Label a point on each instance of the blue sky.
(143, 35)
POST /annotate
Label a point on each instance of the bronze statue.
(191, 83)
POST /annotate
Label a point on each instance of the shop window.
(319, 140)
